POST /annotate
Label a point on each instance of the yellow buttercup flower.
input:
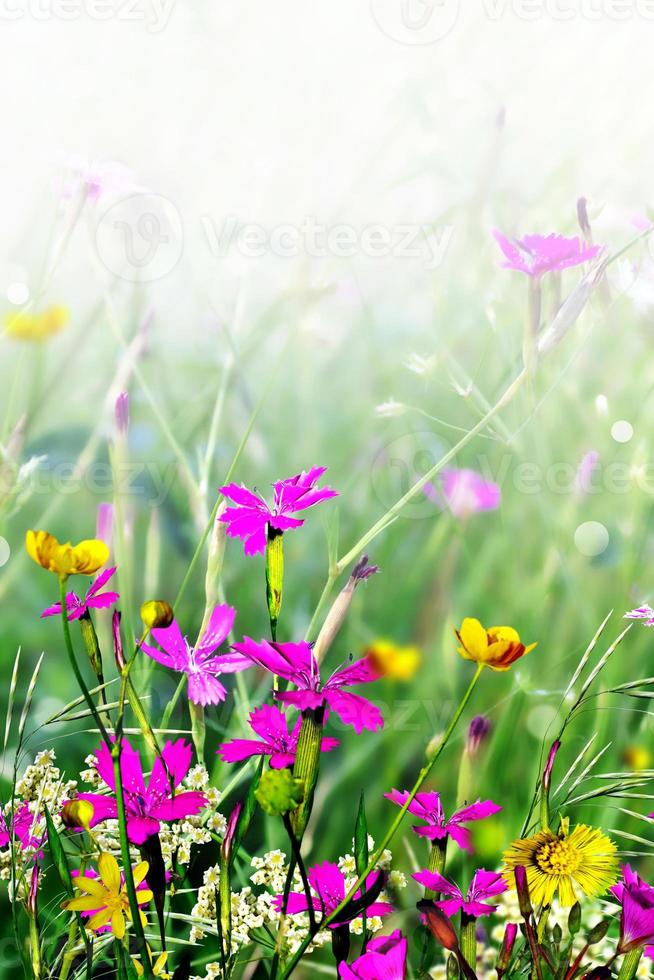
(497, 647)
(22, 325)
(106, 897)
(84, 558)
(157, 967)
(157, 614)
(570, 864)
(393, 660)
(77, 813)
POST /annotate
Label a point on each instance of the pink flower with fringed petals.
(251, 515)
(464, 492)
(637, 919)
(275, 739)
(94, 599)
(296, 663)
(429, 808)
(484, 885)
(147, 806)
(537, 254)
(199, 662)
(327, 883)
(384, 959)
(23, 827)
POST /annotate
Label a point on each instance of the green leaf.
(574, 919)
(361, 838)
(598, 932)
(59, 858)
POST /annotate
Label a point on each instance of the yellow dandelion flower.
(84, 558)
(106, 897)
(22, 325)
(570, 864)
(496, 647)
(393, 660)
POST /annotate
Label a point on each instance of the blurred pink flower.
(275, 740)
(537, 254)
(587, 466)
(251, 516)
(642, 612)
(428, 807)
(94, 599)
(464, 492)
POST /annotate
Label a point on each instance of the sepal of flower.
(385, 957)
(497, 647)
(484, 885)
(146, 806)
(106, 899)
(328, 887)
(295, 662)
(428, 807)
(637, 913)
(251, 516)
(275, 739)
(199, 663)
(279, 792)
(66, 559)
(94, 599)
(537, 254)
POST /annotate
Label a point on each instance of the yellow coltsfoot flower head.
(106, 897)
(497, 646)
(570, 864)
(66, 559)
(22, 325)
(392, 660)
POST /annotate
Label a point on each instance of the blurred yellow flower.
(22, 325)
(106, 897)
(582, 862)
(497, 647)
(393, 660)
(157, 967)
(84, 558)
(637, 757)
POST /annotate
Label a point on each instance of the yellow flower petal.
(118, 924)
(473, 638)
(100, 919)
(143, 896)
(109, 872)
(86, 903)
(139, 871)
(91, 886)
(84, 558)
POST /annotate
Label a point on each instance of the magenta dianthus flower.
(484, 885)
(251, 516)
(385, 957)
(537, 254)
(94, 599)
(147, 806)
(464, 492)
(199, 663)
(296, 663)
(637, 918)
(275, 740)
(23, 827)
(429, 808)
(327, 883)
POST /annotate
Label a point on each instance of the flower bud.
(119, 655)
(157, 614)
(506, 949)
(34, 886)
(279, 792)
(549, 765)
(77, 814)
(439, 925)
(522, 887)
(478, 733)
(339, 610)
(122, 412)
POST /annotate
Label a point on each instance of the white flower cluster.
(252, 911)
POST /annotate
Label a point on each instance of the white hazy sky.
(354, 111)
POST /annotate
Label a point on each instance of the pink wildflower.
(537, 254)
(146, 806)
(642, 612)
(275, 740)
(484, 884)
(295, 662)
(199, 663)
(637, 918)
(94, 599)
(251, 516)
(385, 957)
(327, 883)
(429, 808)
(464, 492)
(23, 827)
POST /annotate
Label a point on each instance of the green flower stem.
(390, 833)
(198, 729)
(127, 861)
(73, 662)
(469, 939)
(630, 964)
(307, 761)
(170, 707)
(274, 576)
